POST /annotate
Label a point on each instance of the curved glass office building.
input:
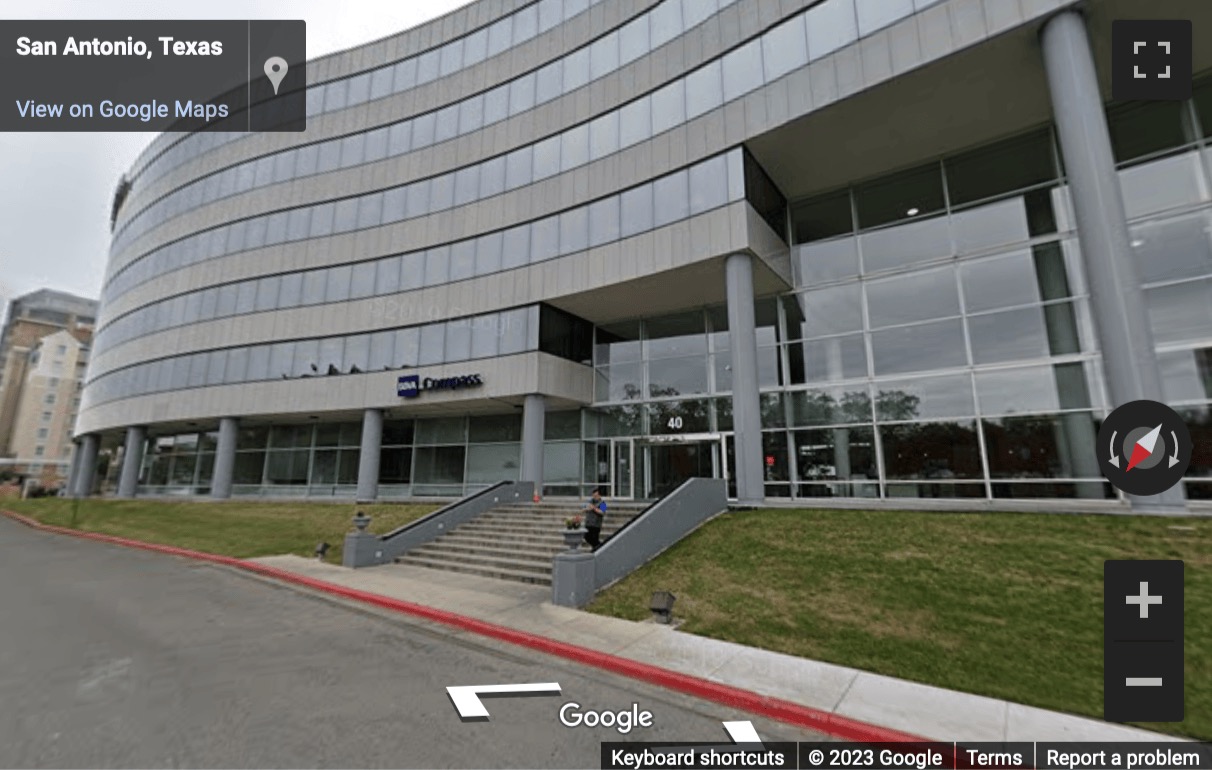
(823, 249)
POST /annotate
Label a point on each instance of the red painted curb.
(745, 700)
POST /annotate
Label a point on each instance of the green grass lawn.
(236, 528)
(1005, 605)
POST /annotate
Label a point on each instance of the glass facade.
(936, 340)
(706, 88)
(719, 182)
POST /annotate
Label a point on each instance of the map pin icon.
(275, 70)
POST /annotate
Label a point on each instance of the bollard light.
(662, 606)
(361, 521)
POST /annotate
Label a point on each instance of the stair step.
(509, 562)
(538, 553)
(460, 542)
(471, 569)
(474, 537)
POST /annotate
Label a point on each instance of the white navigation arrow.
(1174, 458)
(1114, 456)
(466, 698)
(742, 732)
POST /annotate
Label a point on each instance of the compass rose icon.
(1144, 448)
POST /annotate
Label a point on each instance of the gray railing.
(363, 549)
(577, 576)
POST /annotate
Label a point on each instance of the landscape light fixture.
(322, 550)
(662, 606)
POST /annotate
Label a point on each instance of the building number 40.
(675, 423)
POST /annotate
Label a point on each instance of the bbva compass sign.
(411, 385)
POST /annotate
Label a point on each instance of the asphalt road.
(115, 657)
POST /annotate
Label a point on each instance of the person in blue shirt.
(595, 514)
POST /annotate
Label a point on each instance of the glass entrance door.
(670, 464)
(622, 468)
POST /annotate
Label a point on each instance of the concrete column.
(368, 458)
(90, 446)
(534, 420)
(746, 402)
(1116, 300)
(73, 470)
(132, 460)
(225, 459)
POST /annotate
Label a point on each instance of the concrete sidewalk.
(919, 709)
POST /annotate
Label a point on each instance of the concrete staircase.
(516, 541)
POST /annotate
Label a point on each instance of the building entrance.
(668, 463)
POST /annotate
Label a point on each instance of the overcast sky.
(56, 188)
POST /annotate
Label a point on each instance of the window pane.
(917, 348)
(635, 122)
(827, 311)
(519, 167)
(521, 94)
(604, 56)
(924, 398)
(515, 331)
(574, 147)
(466, 185)
(549, 82)
(637, 206)
(370, 210)
(433, 337)
(1180, 312)
(892, 247)
(903, 196)
(820, 218)
(1173, 248)
(314, 283)
(337, 289)
(913, 297)
(407, 347)
(485, 333)
(574, 230)
(1008, 336)
(999, 282)
(458, 340)
(669, 107)
(1004, 167)
(604, 221)
(267, 293)
(704, 90)
(604, 135)
(831, 25)
(547, 158)
(412, 270)
(516, 250)
(544, 239)
(291, 290)
(362, 282)
(322, 220)
(939, 451)
(576, 70)
(492, 177)
(874, 16)
(708, 185)
(462, 260)
(633, 40)
(785, 48)
(437, 266)
(1143, 128)
(488, 253)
